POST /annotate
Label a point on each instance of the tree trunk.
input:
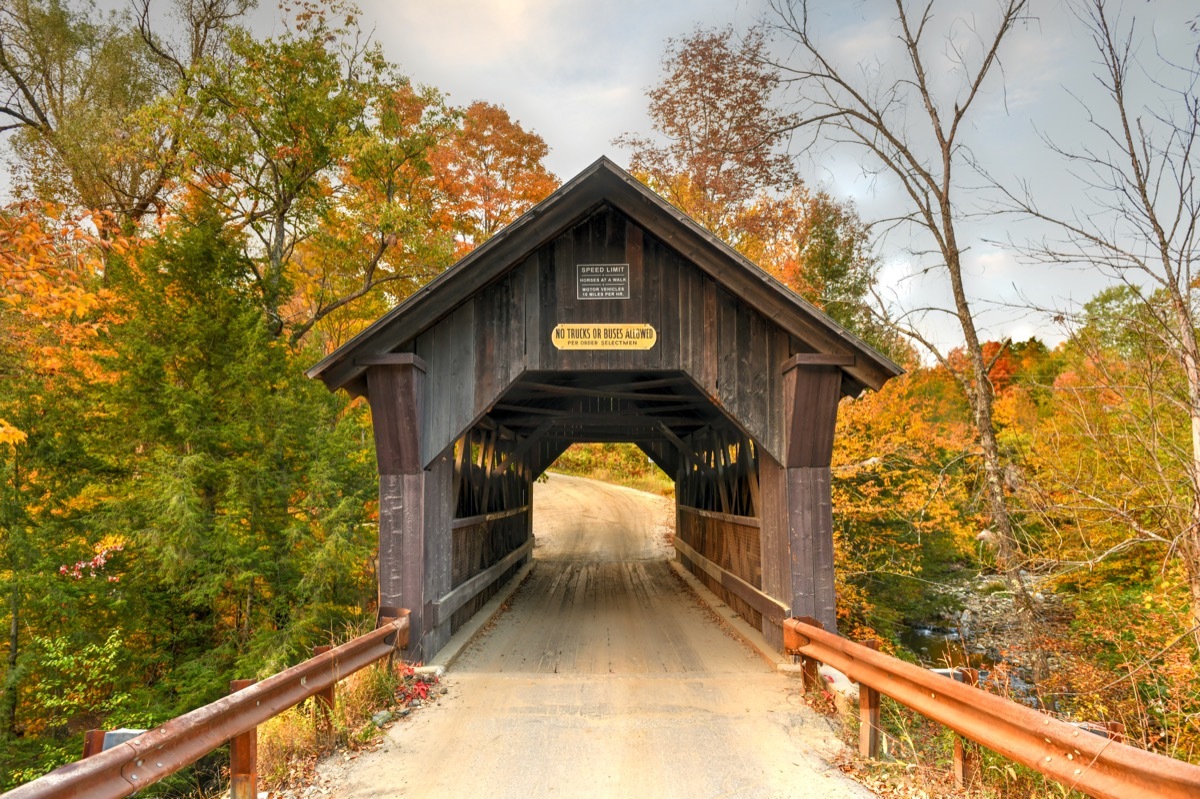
(1189, 546)
(8, 699)
(982, 398)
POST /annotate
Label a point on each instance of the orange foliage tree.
(490, 171)
(53, 310)
(903, 491)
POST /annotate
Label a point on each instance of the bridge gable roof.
(604, 183)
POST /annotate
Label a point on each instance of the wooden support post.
(243, 756)
(323, 704)
(868, 715)
(812, 675)
(93, 743)
(812, 391)
(395, 389)
(966, 753)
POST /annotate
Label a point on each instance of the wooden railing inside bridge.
(141, 761)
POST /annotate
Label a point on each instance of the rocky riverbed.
(987, 633)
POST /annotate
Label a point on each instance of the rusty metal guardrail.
(1098, 766)
(160, 752)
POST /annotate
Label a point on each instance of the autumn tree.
(1103, 465)
(914, 129)
(52, 315)
(1138, 173)
(720, 144)
(904, 482)
(317, 150)
(178, 503)
(719, 155)
(491, 172)
(76, 89)
(821, 249)
(243, 487)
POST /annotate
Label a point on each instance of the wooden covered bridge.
(604, 314)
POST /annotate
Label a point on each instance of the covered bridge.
(604, 314)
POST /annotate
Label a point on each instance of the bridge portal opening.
(665, 416)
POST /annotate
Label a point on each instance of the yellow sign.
(603, 337)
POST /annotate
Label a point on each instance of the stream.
(939, 648)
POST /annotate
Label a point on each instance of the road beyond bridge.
(606, 677)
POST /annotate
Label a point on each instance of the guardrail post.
(1116, 731)
(93, 743)
(966, 753)
(868, 715)
(243, 756)
(324, 699)
(809, 665)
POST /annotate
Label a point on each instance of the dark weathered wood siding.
(776, 544)
(468, 413)
(730, 350)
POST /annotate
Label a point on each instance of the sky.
(577, 73)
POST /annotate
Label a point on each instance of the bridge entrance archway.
(604, 314)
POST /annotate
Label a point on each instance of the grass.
(291, 744)
(620, 464)
(917, 754)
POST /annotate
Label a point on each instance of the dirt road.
(605, 678)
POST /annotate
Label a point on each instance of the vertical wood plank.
(965, 765)
(324, 701)
(486, 347)
(456, 372)
(727, 345)
(438, 547)
(669, 314)
(395, 393)
(707, 372)
(801, 526)
(690, 313)
(825, 594)
(531, 270)
(773, 531)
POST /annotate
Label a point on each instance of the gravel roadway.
(605, 677)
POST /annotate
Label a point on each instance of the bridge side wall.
(731, 542)
(480, 543)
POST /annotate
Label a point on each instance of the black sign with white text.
(602, 282)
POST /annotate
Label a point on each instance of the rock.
(381, 718)
(839, 682)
